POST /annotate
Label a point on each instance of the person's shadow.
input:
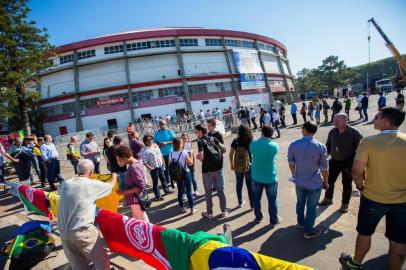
(290, 245)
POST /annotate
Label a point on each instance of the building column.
(267, 86)
(230, 70)
(294, 94)
(288, 94)
(183, 76)
(79, 124)
(127, 76)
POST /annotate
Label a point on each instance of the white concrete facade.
(151, 67)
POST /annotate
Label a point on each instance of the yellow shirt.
(385, 176)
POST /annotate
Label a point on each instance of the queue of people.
(374, 164)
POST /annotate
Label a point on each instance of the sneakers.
(196, 193)
(169, 192)
(313, 234)
(299, 226)
(160, 198)
(257, 220)
(193, 210)
(278, 222)
(184, 197)
(344, 208)
(183, 210)
(225, 213)
(326, 201)
(207, 215)
(241, 204)
(347, 262)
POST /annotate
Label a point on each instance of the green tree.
(24, 51)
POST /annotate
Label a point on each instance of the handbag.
(144, 201)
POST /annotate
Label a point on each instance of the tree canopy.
(330, 74)
(24, 51)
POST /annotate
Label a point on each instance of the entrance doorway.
(112, 123)
(63, 130)
(180, 111)
(147, 116)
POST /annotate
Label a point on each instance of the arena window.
(213, 42)
(223, 86)
(239, 43)
(113, 49)
(150, 44)
(189, 42)
(142, 95)
(66, 58)
(171, 91)
(197, 89)
(86, 54)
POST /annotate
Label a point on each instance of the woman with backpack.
(240, 161)
(187, 146)
(180, 173)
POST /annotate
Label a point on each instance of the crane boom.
(393, 50)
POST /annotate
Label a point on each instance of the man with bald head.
(342, 142)
(77, 208)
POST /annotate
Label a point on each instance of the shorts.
(370, 213)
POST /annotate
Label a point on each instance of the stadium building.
(108, 81)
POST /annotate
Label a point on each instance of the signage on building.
(249, 67)
(102, 102)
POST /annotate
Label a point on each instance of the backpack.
(68, 153)
(241, 159)
(176, 171)
(212, 155)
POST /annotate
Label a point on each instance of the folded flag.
(54, 198)
(133, 237)
(111, 201)
(34, 200)
(173, 249)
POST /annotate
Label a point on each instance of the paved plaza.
(284, 241)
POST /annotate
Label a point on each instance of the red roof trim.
(166, 33)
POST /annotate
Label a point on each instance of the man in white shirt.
(253, 116)
(276, 121)
(77, 209)
(267, 119)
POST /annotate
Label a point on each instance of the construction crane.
(400, 80)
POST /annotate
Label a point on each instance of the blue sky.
(311, 30)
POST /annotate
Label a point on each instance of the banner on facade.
(249, 67)
(102, 102)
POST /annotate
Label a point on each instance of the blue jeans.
(185, 186)
(1, 174)
(166, 171)
(364, 111)
(240, 182)
(35, 164)
(121, 180)
(74, 163)
(271, 191)
(158, 174)
(309, 198)
(192, 175)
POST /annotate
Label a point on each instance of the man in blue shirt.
(164, 137)
(293, 110)
(308, 162)
(50, 155)
(381, 101)
(264, 174)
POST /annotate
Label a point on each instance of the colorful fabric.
(53, 198)
(112, 201)
(34, 200)
(32, 225)
(133, 237)
(173, 249)
(180, 245)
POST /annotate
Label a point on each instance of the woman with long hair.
(187, 146)
(134, 181)
(240, 160)
(184, 185)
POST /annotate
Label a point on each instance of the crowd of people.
(374, 164)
